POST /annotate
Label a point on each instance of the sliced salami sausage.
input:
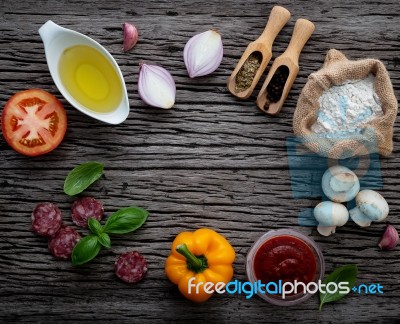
(84, 208)
(46, 219)
(131, 267)
(63, 242)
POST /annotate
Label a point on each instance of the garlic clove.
(359, 218)
(156, 86)
(131, 36)
(389, 239)
(326, 230)
(203, 53)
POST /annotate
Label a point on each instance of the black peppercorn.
(277, 84)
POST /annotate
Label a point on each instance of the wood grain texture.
(211, 161)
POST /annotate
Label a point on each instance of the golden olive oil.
(90, 78)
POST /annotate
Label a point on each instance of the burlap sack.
(376, 137)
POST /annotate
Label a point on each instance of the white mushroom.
(340, 184)
(330, 215)
(359, 218)
(372, 205)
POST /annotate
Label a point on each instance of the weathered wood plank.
(212, 161)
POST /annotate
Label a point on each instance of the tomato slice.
(34, 122)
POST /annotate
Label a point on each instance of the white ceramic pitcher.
(56, 40)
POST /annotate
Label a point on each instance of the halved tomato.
(34, 122)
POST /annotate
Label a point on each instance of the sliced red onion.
(389, 239)
(156, 86)
(203, 53)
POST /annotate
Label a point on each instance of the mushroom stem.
(359, 218)
(342, 181)
(326, 230)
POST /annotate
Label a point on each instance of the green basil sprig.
(82, 176)
(85, 250)
(346, 273)
(95, 226)
(124, 221)
(104, 240)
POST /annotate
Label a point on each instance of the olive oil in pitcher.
(90, 78)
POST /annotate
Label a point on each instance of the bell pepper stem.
(190, 257)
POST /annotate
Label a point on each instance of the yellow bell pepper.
(199, 258)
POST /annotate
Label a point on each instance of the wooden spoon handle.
(303, 30)
(278, 18)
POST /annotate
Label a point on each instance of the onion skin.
(203, 53)
(156, 86)
(131, 36)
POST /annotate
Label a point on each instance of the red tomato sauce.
(285, 258)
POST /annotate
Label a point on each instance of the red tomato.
(33, 122)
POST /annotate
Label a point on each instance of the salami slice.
(63, 242)
(131, 267)
(84, 208)
(46, 219)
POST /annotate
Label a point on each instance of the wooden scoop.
(277, 19)
(303, 30)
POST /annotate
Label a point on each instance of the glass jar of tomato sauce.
(285, 256)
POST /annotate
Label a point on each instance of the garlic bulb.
(156, 86)
(203, 53)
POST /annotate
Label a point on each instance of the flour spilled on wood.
(348, 107)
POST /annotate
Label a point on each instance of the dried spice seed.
(248, 71)
(277, 84)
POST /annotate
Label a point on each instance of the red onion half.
(156, 86)
(203, 53)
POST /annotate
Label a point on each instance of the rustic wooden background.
(211, 161)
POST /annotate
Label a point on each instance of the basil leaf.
(104, 240)
(95, 226)
(125, 220)
(346, 273)
(82, 176)
(85, 250)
